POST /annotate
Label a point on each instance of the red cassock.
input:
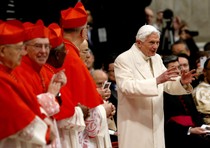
(29, 72)
(18, 105)
(67, 107)
(79, 81)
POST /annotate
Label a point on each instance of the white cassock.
(201, 96)
(140, 99)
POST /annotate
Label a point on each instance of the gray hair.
(145, 31)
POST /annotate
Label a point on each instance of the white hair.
(145, 31)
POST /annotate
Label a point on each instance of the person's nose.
(44, 48)
(88, 55)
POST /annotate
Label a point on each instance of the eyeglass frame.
(18, 47)
(39, 46)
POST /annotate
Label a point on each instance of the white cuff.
(111, 132)
(188, 132)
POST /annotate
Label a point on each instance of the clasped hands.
(109, 108)
(60, 77)
(105, 93)
(57, 81)
(47, 100)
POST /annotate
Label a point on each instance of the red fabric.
(55, 35)
(79, 81)
(33, 75)
(74, 17)
(11, 32)
(18, 106)
(183, 120)
(114, 144)
(37, 30)
(67, 108)
(47, 137)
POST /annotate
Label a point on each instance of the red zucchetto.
(74, 17)
(37, 30)
(11, 32)
(55, 35)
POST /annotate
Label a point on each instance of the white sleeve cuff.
(188, 132)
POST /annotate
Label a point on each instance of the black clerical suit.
(176, 132)
(113, 100)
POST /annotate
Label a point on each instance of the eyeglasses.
(40, 46)
(99, 84)
(86, 51)
(17, 47)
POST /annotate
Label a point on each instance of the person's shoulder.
(123, 57)
(202, 85)
(127, 52)
(157, 57)
(200, 88)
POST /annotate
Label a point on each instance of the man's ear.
(138, 41)
(2, 50)
(25, 50)
(82, 32)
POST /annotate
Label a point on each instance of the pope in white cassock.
(141, 79)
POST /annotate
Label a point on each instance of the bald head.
(99, 77)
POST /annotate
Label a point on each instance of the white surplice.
(32, 136)
(69, 129)
(96, 133)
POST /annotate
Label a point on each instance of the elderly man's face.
(184, 64)
(84, 51)
(180, 48)
(111, 74)
(38, 50)
(100, 78)
(150, 45)
(90, 60)
(12, 54)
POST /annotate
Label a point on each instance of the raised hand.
(168, 75)
(105, 93)
(54, 86)
(188, 77)
(60, 77)
(110, 109)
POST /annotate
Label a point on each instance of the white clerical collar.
(146, 58)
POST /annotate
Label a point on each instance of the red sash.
(183, 120)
